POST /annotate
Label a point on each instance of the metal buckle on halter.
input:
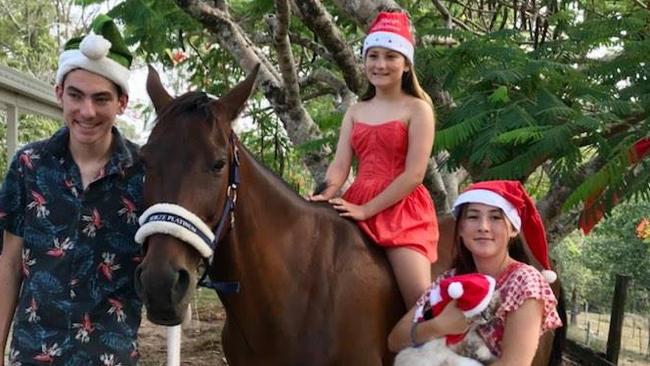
(235, 151)
(231, 193)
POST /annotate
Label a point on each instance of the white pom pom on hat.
(455, 290)
(95, 46)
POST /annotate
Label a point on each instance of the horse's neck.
(267, 215)
(261, 249)
(264, 197)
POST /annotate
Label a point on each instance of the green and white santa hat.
(102, 51)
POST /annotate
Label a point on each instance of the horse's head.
(187, 158)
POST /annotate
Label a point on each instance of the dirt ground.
(201, 337)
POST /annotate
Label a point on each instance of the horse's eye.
(218, 165)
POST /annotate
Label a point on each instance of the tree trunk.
(575, 309)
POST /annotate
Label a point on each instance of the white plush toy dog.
(477, 299)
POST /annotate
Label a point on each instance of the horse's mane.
(194, 101)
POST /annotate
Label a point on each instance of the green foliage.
(31, 128)
(27, 43)
(268, 142)
(590, 263)
(518, 106)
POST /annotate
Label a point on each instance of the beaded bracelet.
(414, 342)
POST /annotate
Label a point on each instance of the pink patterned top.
(518, 283)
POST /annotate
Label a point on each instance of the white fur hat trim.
(489, 198)
(103, 66)
(391, 41)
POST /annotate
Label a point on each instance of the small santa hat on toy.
(511, 197)
(472, 291)
(391, 30)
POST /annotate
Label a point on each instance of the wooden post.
(574, 307)
(12, 131)
(587, 337)
(640, 342)
(647, 348)
(616, 319)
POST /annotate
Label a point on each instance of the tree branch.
(559, 224)
(317, 18)
(297, 122)
(347, 98)
(450, 19)
(615, 129)
(364, 11)
(444, 12)
(285, 56)
(305, 43)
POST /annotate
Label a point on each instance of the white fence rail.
(20, 93)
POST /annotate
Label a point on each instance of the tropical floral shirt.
(77, 304)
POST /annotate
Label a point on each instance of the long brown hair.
(462, 257)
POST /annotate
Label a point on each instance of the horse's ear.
(156, 90)
(233, 103)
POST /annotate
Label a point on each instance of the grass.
(634, 340)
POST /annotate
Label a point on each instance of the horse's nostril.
(182, 285)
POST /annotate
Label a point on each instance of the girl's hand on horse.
(347, 209)
(317, 198)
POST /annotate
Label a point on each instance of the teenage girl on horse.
(390, 132)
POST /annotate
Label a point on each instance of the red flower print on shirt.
(31, 310)
(94, 223)
(60, 248)
(27, 158)
(128, 210)
(117, 309)
(107, 267)
(108, 359)
(27, 262)
(38, 203)
(84, 329)
(48, 353)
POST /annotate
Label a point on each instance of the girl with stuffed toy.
(390, 131)
(491, 216)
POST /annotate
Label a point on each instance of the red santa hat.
(511, 197)
(472, 291)
(391, 30)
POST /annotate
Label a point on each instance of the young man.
(69, 208)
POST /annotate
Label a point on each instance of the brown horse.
(314, 290)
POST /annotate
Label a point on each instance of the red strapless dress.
(381, 154)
